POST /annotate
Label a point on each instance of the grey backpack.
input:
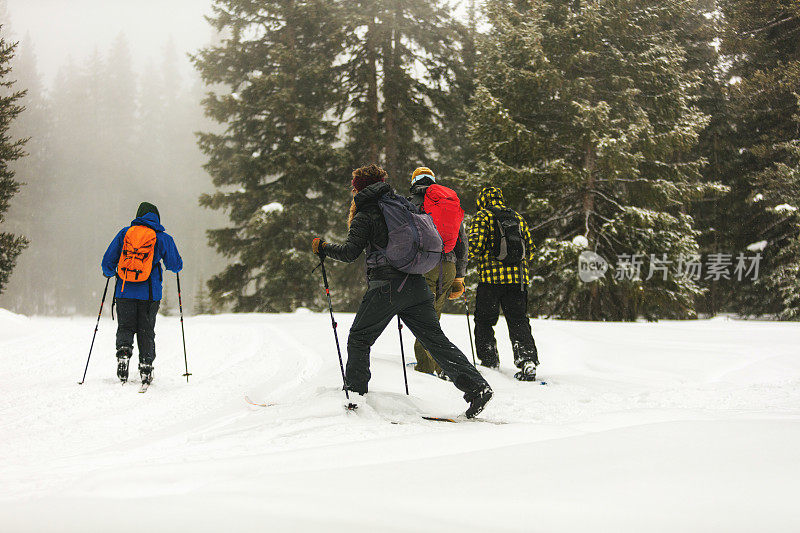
(415, 246)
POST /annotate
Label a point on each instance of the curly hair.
(367, 175)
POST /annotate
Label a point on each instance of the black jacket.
(367, 231)
(460, 254)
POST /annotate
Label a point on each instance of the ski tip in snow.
(439, 419)
(251, 402)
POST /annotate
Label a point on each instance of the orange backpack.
(136, 260)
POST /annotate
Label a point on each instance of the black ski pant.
(412, 300)
(514, 301)
(137, 317)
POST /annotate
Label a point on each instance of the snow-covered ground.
(674, 426)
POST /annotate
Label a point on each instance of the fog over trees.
(11, 149)
(103, 139)
(626, 128)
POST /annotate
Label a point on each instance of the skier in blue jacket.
(138, 301)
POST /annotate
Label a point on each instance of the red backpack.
(445, 208)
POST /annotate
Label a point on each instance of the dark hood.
(421, 185)
(371, 194)
(150, 220)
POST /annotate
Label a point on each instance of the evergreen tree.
(451, 143)
(120, 86)
(166, 307)
(10, 150)
(94, 105)
(26, 293)
(401, 100)
(585, 113)
(96, 141)
(72, 130)
(81, 155)
(760, 41)
(201, 303)
(404, 84)
(716, 144)
(169, 163)
(274, 165)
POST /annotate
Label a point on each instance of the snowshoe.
(527, 372)
(477, 400)
(123, 359)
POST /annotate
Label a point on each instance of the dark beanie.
(147, 207)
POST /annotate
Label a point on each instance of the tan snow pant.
(425, 362)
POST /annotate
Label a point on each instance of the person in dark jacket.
(445, 282)
(391, 293)
(137, 303)
(501, 286)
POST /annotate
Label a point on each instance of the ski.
(461, 419)
(458, 419)
(439, 419)
(251, 402)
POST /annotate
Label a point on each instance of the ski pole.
(183, 333)
(96, 327)
(402, 352)
(469, 329)
(333, 322)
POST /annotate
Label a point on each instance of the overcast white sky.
(60, 28)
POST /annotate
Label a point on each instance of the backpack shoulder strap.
(495, 218)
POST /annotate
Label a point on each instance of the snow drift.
(674, 426)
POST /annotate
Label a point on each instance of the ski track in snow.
(690, 426)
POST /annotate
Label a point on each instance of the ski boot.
(490, 363)
(354, 401)
(527, 372)
(491, 359)
(477, 400)
(123, 358)
(146, 372)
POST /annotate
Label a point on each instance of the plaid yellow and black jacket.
(481, 241)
